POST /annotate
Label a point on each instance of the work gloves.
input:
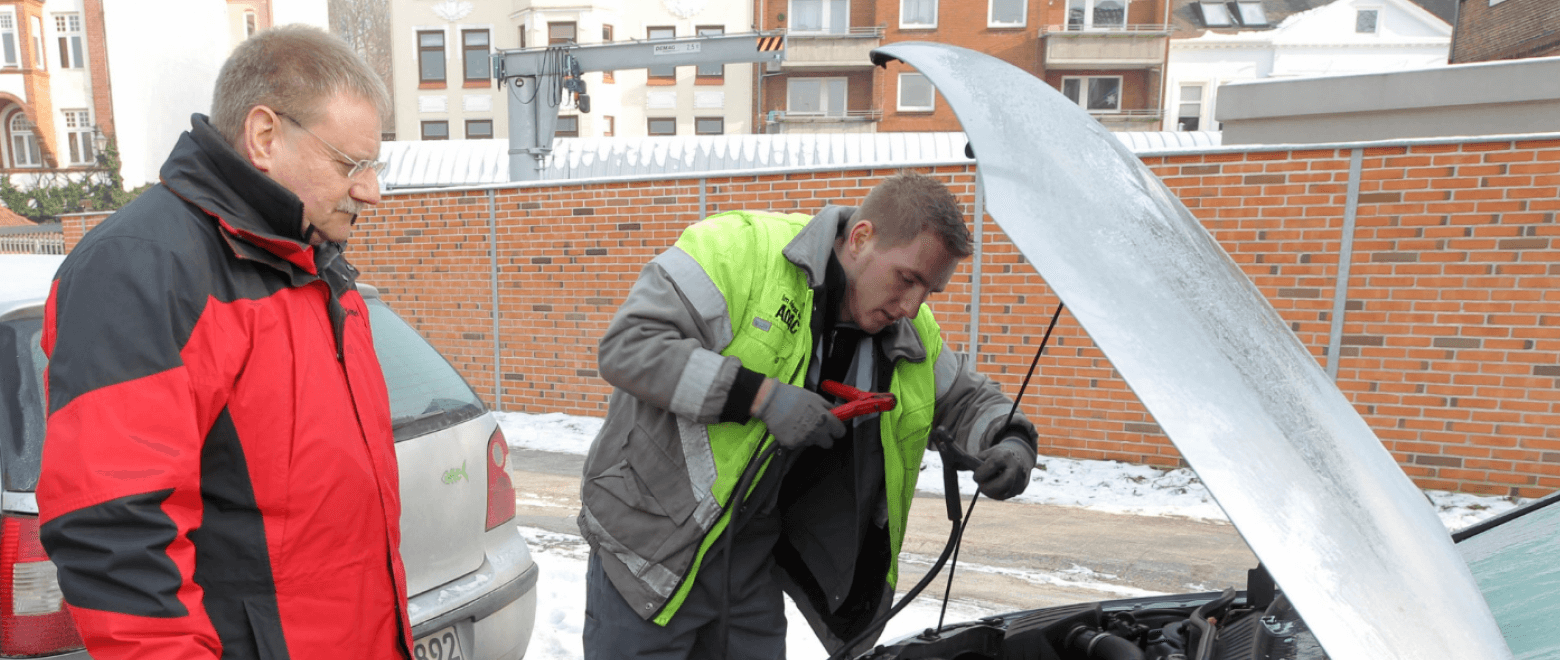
(799, 418)
(1004, 468)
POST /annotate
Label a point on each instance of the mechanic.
(219, 473)
(717, 352)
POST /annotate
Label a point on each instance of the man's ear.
(860, 235)
(262, 137)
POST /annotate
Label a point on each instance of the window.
(1251, 14)
(827, 16)
(1365, 21)
(68, 26)
(1215, 14)
(1100, 14)
(522, 36)
(1095, 93)
(562, 33)
(1007, 13)
(711, 70)
(8, 38)
(435, 130)
(917, 13)
(662, 74)
(479, 129)
(474, 50)
(250, 26)
(606, 38)
(608, 126)
(37, 41)
(816, 96)
(663, 126)
(568, 126)
(1189, 113)
(709, 126)
(430, 57)
(915, 93)
(78, 133)
(24, 143)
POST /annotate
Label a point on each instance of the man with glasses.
(219, 474)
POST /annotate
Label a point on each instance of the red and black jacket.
(219, 475)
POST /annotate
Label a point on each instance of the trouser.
(755, 621)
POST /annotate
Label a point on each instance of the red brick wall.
(1511, 29)
(1451, 340)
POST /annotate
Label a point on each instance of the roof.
(450, 163)
(1186, 20)
(9, 218)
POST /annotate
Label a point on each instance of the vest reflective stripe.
(768, 303)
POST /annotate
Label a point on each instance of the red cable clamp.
(857, 402)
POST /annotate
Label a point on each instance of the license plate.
(443, 644)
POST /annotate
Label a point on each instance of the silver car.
(471, 578)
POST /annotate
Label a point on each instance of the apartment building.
(444, 87)
(77, 75)
(1106, 55)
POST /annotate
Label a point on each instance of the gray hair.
(909, 203)
(295, 70)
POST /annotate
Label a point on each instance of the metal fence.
(38, 239)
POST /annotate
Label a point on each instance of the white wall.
(163, 66)
(309, 12)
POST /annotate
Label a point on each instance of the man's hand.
(1004, 468)
(797, 418)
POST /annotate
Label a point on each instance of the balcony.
(1130, 120)
(850, 121)
(830, 50)
(1126, 47)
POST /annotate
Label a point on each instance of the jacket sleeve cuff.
(1024, 433)
(740, 399)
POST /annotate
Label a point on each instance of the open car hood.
(1352, 542)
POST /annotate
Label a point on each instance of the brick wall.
(1510, 29)
(1451, 338)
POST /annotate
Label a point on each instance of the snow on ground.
(1110, 486)
(1100, 485)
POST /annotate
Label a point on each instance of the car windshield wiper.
(412, 419)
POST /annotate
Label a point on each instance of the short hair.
(909, 203)
(295, 70)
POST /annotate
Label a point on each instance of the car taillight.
(33, 617)
(501, 490)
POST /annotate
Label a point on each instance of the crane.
(539, 77)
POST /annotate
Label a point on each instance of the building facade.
(1106, 55)
(444, 87)
(1217, 43)
(79, 75)
(1506, 29)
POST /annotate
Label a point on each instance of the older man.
(219, 475)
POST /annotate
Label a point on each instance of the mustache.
(351, 207)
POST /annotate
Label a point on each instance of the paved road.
(1014, 555)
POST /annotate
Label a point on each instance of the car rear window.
(426, 392)
(1517, 566)
(22, 415)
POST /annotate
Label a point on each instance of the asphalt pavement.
(1013, 556)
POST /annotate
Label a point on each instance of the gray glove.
(1005, 467)
(799, 418)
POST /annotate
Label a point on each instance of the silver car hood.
(1354, 544)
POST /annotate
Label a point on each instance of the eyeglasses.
(358, 166)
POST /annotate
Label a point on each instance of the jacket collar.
(811, 251)
(261, 219)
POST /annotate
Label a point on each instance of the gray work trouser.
(755, 618)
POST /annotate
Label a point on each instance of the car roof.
(1312, 490)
